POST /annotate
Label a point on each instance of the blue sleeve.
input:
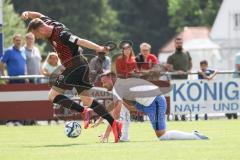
(107, 64)
(6, 57)
(200, 76)
(211, 71)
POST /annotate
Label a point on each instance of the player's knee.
(52, 94)
(87, 101)
(50, 97)
(160, 133)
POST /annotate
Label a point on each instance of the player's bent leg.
(156, 113)
(101, 111)
(87, 101)
(179, 135)
(125, 118)
(160, 133)
(96, 106)
(60, 99)
(86, 98)
(52, 94)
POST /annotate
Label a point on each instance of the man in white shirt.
(146, 97)
(33, 57)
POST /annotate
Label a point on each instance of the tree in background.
(192, 12)
(144, 21)
(91, 19)
(12, 23)
(152, 21)
(103, 20)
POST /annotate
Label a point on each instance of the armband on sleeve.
(68, 37)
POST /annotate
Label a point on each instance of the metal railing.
(23, 77)
(161, 73)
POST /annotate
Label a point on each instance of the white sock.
(178, 135)
(125, 118)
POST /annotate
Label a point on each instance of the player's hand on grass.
(103, 138)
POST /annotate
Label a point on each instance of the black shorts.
(76, 76)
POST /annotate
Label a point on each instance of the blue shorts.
(156, 112)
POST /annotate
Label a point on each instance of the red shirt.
(124, 67)
(62, 41)
(151, 59)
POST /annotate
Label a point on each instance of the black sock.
(67, 103)
(101, 111)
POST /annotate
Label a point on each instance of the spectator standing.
(98, 65)
(237, 75)
(14, 60)
(126, 63)
(205, 73)
(146, 60)
(51, 64)
(181, 62)
(33, 57)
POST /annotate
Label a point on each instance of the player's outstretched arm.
(29, 14)
(91, 45)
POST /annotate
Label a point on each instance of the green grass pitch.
(50, 143)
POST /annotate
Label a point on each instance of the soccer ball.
(72, 129)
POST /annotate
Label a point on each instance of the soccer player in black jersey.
(76, 70)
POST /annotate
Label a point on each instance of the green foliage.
(91, 19)
(192, 12)
(144, 21)
(12, 24)
(103, 20)
(153, 21)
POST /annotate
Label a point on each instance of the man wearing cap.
(145, 97)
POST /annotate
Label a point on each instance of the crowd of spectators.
(26, 59)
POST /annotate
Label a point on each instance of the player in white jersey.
(146, 97)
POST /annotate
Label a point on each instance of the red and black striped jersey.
(62, 41)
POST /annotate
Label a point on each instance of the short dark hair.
(109, 74)
(203, 62)
(35, 24)
(178, 38)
